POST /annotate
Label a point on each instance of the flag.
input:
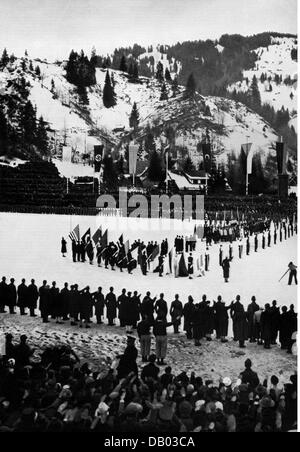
(207, 156)
(182, 271)
(104, 240)
(133, 150)
(126, 246)
(89, 249)
(86, 235)
(97, 235)
(281, 157)
(98, 156)
(155, 253)
(74, 235)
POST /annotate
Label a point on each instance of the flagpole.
(247, 167)
(167, 163)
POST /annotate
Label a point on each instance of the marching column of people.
(263, 325)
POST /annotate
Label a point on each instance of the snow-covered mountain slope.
(274, 60)
(81, 126)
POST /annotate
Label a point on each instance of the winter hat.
(267, 402)
(219, 405)
(133, 408)
(190, 389)
(226, 381)
(199, 404)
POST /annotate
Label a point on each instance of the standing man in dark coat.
(220, 255)
(275, 236)
(248, 246)
(275, 319)
(197, 324)
(111, 306)
(85, 306)
(127, 363)
(11, 296)
(251, 309)
(74, 304)
(44, 301)
(255, 243)
(32, 296)
(188, 315)
(147, 307)
(3, 294)
(226, 269)
(22, 297)
(269, 238)
(263, 245)
(74, 250)
(98, 300)
(280, 234)
(190, 266)
(176, 312)
(136, 310)
(239, 320)
(63, 247)
(221, 319)
(122, 301)
(161, 306)
(160, 265)
(54, 302)
(266, 326)
(65, 302)
(144, 263)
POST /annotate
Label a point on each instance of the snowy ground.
(30, 247)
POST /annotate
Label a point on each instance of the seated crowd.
(57, 393)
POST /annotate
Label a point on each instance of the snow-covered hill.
(274, 60)
(82, 126)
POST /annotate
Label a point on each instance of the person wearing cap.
(11, 296)
(122, 303)
(251, 309)
(161, 307)
(239, 319)
(98, 302)
(188, 315)
(221, 319)
(266, 326)
(111, 306)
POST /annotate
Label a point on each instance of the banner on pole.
(281, 157)
(133, 150)
(66, 153)
(98, 157)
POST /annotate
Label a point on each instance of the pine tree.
(255, 94)
(93, 59)
(123, 64)
(28, 124)
(52, 86)
(175, 67)
(159, 72)
(190, 86)
(168, 76)
(164, 93)
(207, 111)
(155, 170)
(4, 59)
(31, 66)
(109, 96)
(3, 133)
(42, 138)
(188, 165)
(130, 69)
(134, 117)
(135, 73)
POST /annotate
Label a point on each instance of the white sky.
(51, 28)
